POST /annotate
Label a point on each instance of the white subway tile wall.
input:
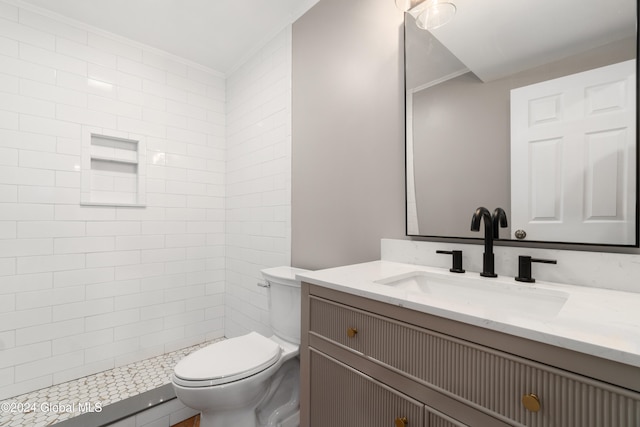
(89, 288)
(258, 181)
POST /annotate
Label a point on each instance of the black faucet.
(492, 224)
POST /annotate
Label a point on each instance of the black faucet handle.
(457, 260)
(524, 267)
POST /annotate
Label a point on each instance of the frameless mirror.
(530, 106)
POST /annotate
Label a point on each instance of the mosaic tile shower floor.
(57, 403)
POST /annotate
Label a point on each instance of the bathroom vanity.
(386, 344)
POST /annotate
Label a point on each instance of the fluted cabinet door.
(344, 397)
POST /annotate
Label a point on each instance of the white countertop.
(600, 322)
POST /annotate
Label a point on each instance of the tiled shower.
(89, 287)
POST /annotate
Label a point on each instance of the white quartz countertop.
(600, 322)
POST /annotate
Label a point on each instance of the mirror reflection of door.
(573, 155)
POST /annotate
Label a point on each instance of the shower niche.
(113, 170)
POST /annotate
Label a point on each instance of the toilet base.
(292, 421)
(277, 407)
(228, 418)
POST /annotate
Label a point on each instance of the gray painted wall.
(347, 132)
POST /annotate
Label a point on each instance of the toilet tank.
(284, 302)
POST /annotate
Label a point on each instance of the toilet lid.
(227, 361)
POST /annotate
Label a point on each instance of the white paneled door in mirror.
(573, 152)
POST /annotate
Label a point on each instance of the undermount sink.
(479, 296)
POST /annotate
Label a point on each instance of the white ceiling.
(219, 34)
(497, 38)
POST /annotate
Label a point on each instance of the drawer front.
(491, 380)
(344, 397)
(352, 328)
(437, 421)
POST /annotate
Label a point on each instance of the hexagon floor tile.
(53, 404)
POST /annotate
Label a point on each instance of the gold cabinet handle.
(531, 402)
(401, 422)
(351, 332)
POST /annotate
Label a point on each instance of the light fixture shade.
(436, 14)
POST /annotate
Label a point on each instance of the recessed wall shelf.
(112, 159)
(112, 171)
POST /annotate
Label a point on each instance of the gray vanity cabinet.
(366, 402)
(345, 397)
(370, 363)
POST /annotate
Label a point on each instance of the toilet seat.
(227, 361)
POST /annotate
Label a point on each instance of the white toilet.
(250, 381)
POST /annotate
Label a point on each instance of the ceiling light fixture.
(429, 14)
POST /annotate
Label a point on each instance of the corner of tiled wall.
(258, 205)
(88, 288)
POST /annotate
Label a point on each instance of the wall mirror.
(530, 106)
